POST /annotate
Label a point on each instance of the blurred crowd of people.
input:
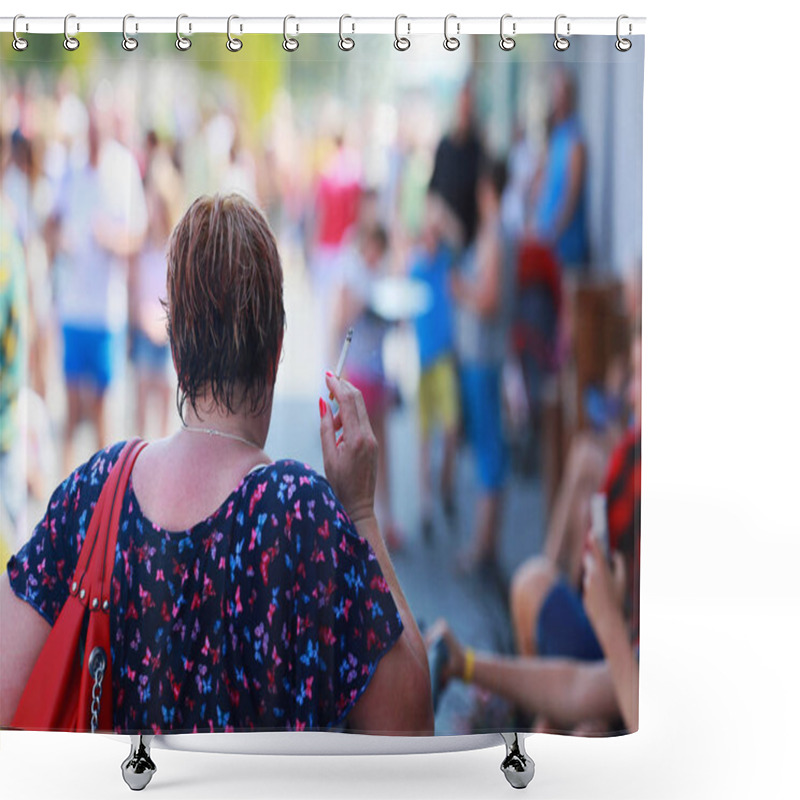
(484, 254)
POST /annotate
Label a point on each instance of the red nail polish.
(329, 374)
(322, 408)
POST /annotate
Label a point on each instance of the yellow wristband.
(469, 665)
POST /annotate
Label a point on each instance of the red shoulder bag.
(72, 676)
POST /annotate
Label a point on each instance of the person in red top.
(337, 199)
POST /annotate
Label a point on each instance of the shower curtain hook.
(181, 42)
(70, 42)
(290, 44)
(346, 42)
(401, 43)
(451, 42)
(623, 45)
(18, 43)
(561, 43)
(233, 44)
(129, 43)
(507, 42)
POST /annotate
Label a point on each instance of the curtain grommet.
(451, 43)
(561, 43)
(181, 42)
(71, 43)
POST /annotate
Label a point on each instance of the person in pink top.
(337, 198)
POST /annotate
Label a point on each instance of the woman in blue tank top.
(560, 212)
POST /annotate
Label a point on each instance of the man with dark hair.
(457, 164)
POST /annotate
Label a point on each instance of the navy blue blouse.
(271, 614)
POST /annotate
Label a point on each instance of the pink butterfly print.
(256, 496)
(149, 657)
(266, 556)
(326, 635)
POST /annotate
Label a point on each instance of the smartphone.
(600, 522)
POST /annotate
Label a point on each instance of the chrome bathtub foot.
(517, 766)
(138, 768)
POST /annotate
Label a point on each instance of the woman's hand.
(351, 463)
(602, 586)
(454, 667)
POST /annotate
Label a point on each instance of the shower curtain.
(474, 217)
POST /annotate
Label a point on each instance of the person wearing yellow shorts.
(438, 387)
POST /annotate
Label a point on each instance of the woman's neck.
(251, 428)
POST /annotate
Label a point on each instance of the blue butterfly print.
(353, 579)
(311, 654)
(236, 558)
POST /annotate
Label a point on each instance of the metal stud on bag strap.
(97, 669)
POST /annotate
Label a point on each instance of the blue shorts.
(563, 630)
(89, 356)
(147, 356)
(483, 421)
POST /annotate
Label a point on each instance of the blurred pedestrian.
(560, 207)
(481, 289)
(97, 228)
(150, 354)
(362, 272)
(457, 163)
(431, 263)
(12, 366)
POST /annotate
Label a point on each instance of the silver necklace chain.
(225, 435)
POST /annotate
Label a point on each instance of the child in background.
(150, 352)
(364, 368)
(431, 262)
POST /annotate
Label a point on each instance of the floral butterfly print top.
(271, 614)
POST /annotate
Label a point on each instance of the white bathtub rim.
(320, 743)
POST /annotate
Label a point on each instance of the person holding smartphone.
(579, 671)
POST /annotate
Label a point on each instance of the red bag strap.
(116, 514)
(92, 578)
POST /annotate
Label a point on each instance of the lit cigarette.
(343, 354)
(342, 357)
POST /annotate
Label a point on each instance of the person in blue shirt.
(560, 207)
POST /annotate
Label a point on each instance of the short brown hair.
(225, 314)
